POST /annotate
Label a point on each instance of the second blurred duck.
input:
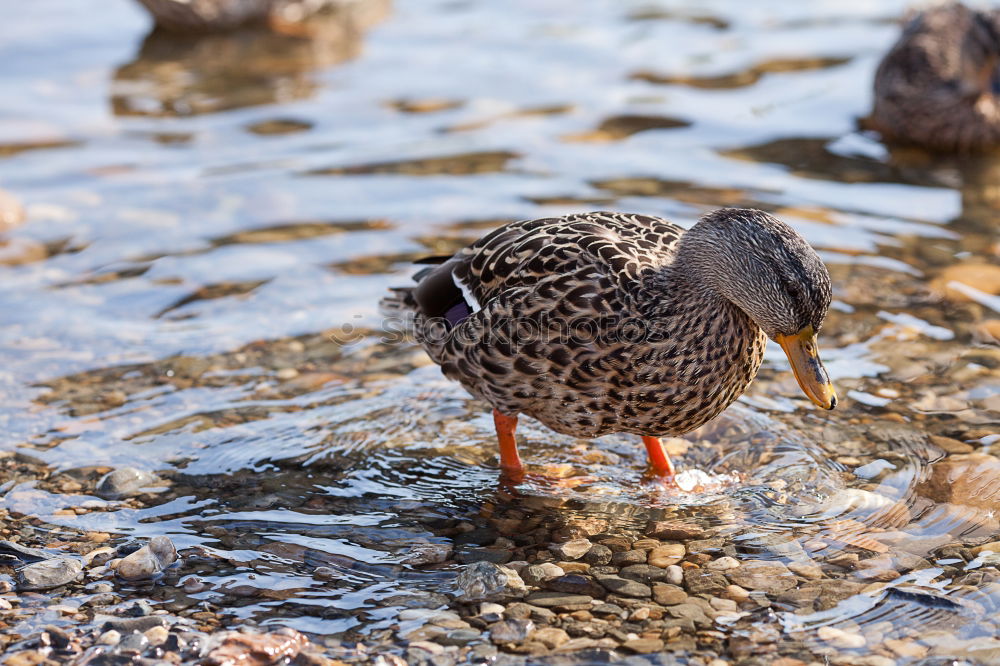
(938, 86)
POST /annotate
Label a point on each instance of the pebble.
(489, 608)
(559, 600)
(156, 635)
(598, 555)
(666, 555)
(427, 553)
(644, 645)
(808, 570)
(536, 574)
(110, 637)
(736, 593)
(904, 648)
(550, 637)
(769, 577)
(485, 581)
(700, 581)
(840, 638)
(575, 584)
(510, 631)
(669, 595)
(48, 574)
(148, 561)
(675, 575)
(628, 557)
(644, 573)
(571, 550)
(459, 637)
(624, 586)
(675, 530)
(723, 564)
(124, 482)
(134, 642)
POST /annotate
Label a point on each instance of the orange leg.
(658, 458)
(510, 462)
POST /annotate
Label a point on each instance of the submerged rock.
(124, 482)
(148, 561)
(234, 647)
(48, 574)
(485, 581)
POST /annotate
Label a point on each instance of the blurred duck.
(187, 16)
(608, 322)
(938, 85)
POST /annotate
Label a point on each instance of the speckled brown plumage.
(608, 322)
(937, 86)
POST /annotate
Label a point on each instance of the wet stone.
(537, 574)
(769, 577)
(48, 574)
(624, 586)
(628, 557)
(598, 555)
(611, 609)
(644, 645)
(485, 581)
(427, 553)
(459, 637)
(135, 643)
(644, 573)
(510, 631)
(468, 555)
(667, 554)
(559, 600)
(124, 482)
(668, 595)
(674, 530)
(110, 637)
(699, 581)
(139, 624)
(576, 584)
(550, 637)
(523, 611)
(149, 560)
(571, 550)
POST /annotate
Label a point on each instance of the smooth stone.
(470, 554)
(127, 625)
(575, 584)
(668, 595)
(667, 554)
(644, 645)
(427, 553)
(644, 573)
(558, 599)
(700, 581)
(550, 637)
(490, 608)
(48, 574)
(675, 574)
(156, 635)
(485, 581)
(840, 638)
(723, 564)
(124, 482)
(571, 550)
(460, 637)
(510, 631)
(24, 553)
(628, 557)
(624, 586)
(536, 574)
(148, 561)
(674, 530)
(598, 555)
(110, 637)
(134, 642)
(522, 611)
(768, 577)
(808, 570)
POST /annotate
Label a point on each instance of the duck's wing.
(615, 248)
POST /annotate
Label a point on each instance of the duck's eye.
(809, 347)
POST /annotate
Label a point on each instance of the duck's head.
(770, 272)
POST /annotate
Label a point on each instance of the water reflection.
(186, 75)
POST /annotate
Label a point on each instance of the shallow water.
(210, 226)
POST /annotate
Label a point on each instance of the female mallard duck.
(606, 322)
(938, 85)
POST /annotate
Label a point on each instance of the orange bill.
(803, 353)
